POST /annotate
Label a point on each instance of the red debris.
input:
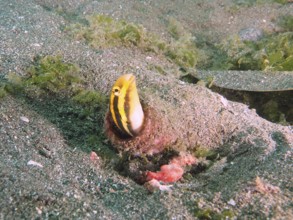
(168, 174)
(173, 171)
(183, 160)
(94, 157)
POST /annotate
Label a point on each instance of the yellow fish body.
(125, 107)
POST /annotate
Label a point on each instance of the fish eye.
(116, 91)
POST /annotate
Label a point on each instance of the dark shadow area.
(82, 128)
(135, 167)
(54, 89)
(275, 106)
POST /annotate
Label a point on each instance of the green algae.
(105, 32)
(250, 3)
(89, 98)
(176, 29)
(3, 91)
(50, 73)
(273, 53)
(13, 83)
(182, 49)
(77, 111)
(90, 101)
(157, 68)
(286, 22)
(204, 152)
(208, 213)
(181, 54)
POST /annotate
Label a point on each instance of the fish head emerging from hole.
(132, 127)
(125, 107)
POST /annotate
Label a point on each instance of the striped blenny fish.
(125, 107)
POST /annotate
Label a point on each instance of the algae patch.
(209, 213)
(273, 52)
(3, 90)
(204, 152)
(54, 88)
(286, 22)
(47, 75)
(182, 47)
(105, 32)
(52, 74)
(250, 3)
(89, 99)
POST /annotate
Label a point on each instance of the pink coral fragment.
(168, 174)
(173, 171)
(94, 157)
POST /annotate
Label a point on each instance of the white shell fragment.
(24, 119)
(231, 202)
(34, 163)
(224, 101)
(154, 185)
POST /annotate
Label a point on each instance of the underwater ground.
(220, 73)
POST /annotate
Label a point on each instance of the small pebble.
(24, 119)
(232, 202)
(154, 185)
(94, 157)
(250, 34)
(34, 163)
(36, 45)
(39, 211)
